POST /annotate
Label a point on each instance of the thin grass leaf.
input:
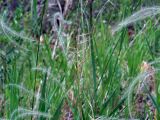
(42, 104)
(120, 103)
(93, 63)
(34, 13)
(105, 104)
(58, 111)
(153, 99)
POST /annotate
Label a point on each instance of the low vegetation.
(89, 60)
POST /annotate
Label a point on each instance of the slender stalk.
(38, 47)
(92, 51)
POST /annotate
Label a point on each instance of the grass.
(99, 67)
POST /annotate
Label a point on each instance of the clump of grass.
(94, 65)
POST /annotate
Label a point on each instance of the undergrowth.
(94, 68)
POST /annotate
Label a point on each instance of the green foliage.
(100, 72)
